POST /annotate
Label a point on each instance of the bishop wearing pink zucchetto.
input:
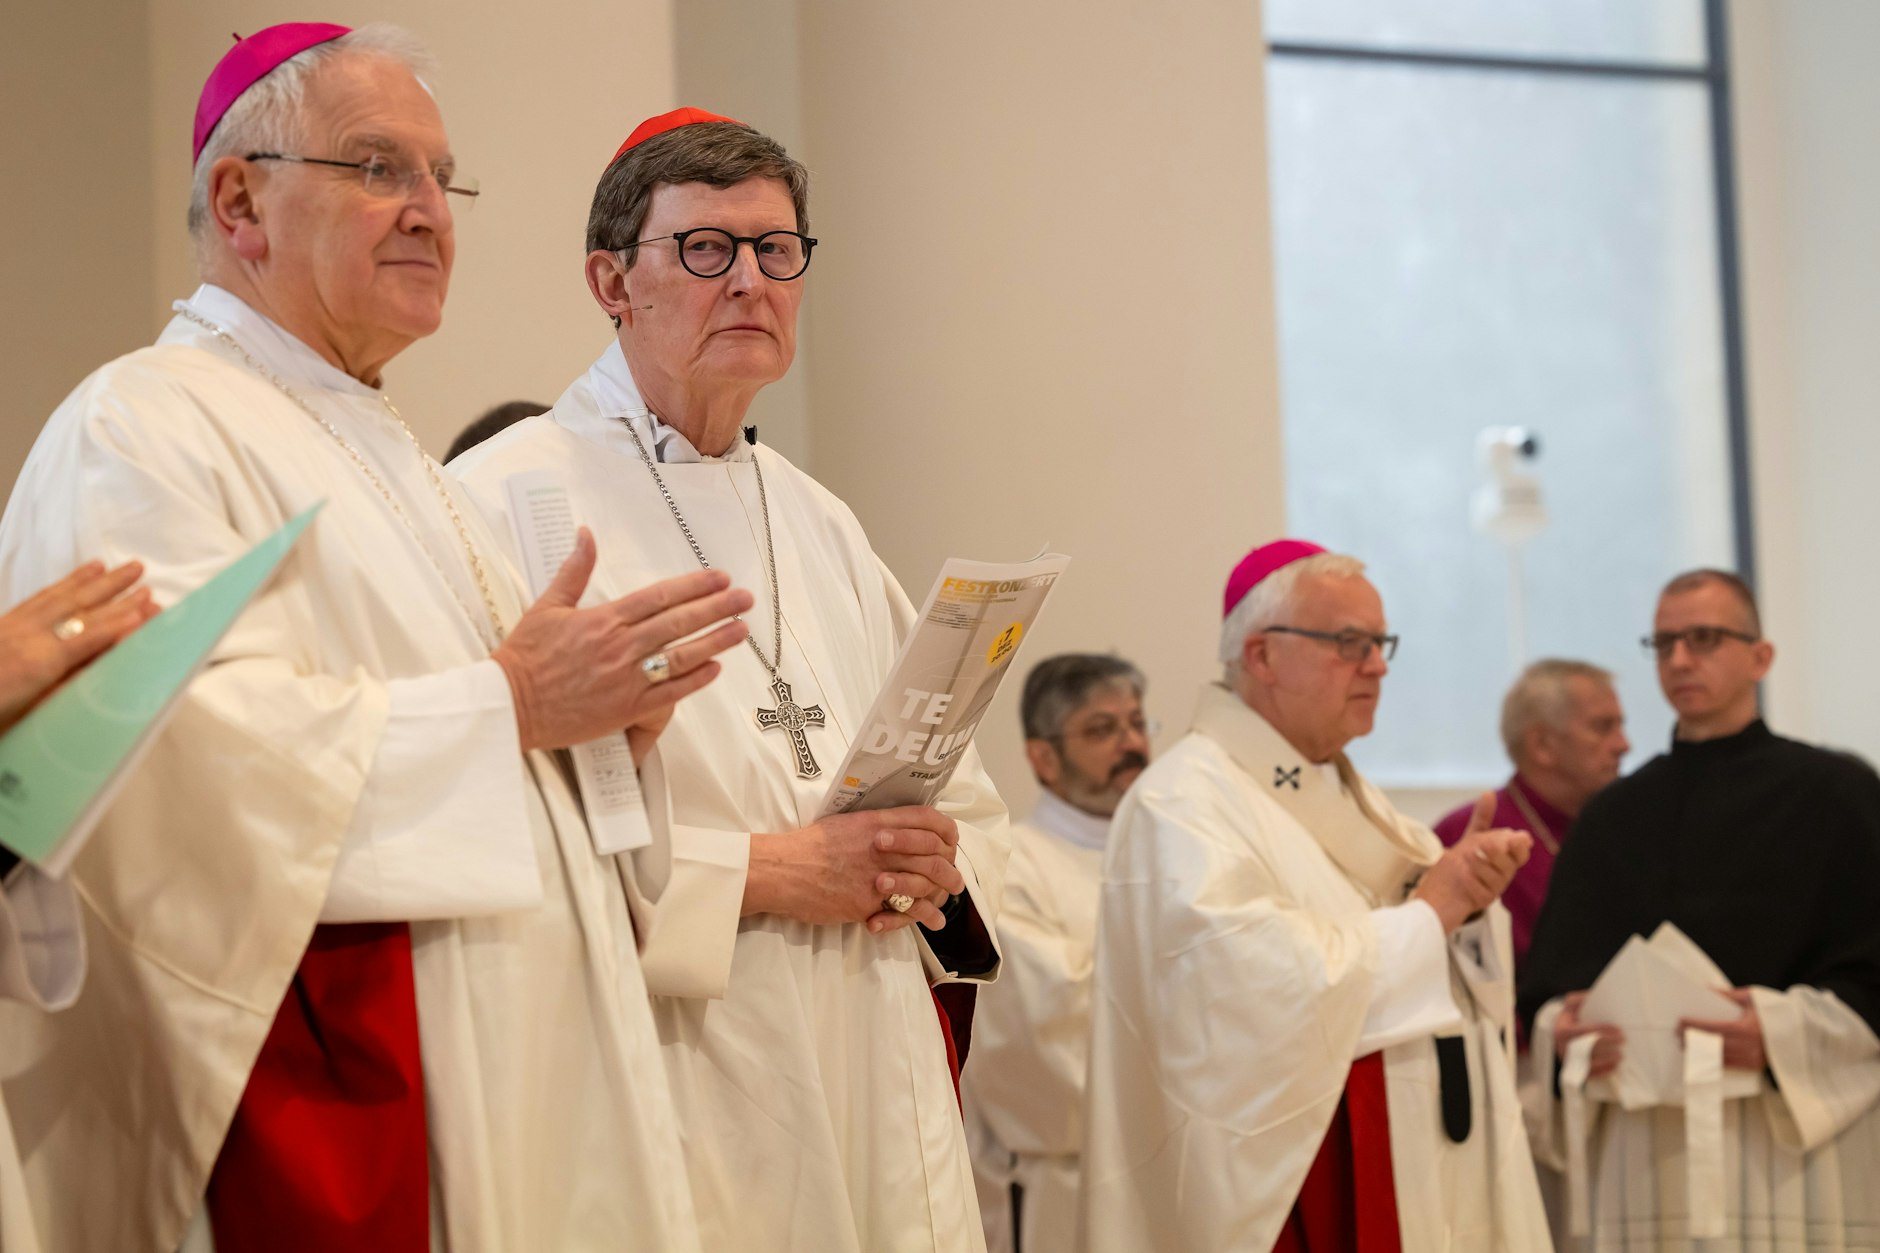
(1303, 1009)
(361, 977)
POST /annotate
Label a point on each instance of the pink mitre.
(247, 63)
(1261, 562)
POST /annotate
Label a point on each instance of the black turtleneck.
(1763, 850)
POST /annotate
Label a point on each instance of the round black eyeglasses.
(707, 252)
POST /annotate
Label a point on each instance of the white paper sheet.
(545, 526)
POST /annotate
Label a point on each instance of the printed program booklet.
(951, 664)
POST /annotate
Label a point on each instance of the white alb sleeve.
(42, 941)
(1411, 995)
(442, 828)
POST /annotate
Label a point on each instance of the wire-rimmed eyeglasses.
(1353, 645)
(388, 177)
(1699, 640)
(1111, 730)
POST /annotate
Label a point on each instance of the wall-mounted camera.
(1507, 506)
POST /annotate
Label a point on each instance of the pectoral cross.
(792, 718)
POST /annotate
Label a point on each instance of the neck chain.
(365, 468)
(1536, 824)
(788, 716)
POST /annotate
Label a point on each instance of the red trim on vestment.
(327, 1150)
(1349, 1201)
(946, 1033)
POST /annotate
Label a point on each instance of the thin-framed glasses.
(1353, 645)
(707, 252)
(387, 177)
(1698, 639)
(1110, 730)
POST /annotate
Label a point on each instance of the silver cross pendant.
(791, 718)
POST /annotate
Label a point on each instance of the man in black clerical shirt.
(1766, 853)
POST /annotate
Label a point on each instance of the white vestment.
(1023, 1086)
(807, 1062)
(1254, 940)
(350, 754)
(42, 964)
(1801, 1159)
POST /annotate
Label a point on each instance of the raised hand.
(576, 674)
(844, 867)
(56, 631)
(1476, 870)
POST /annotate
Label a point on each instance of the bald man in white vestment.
(809, 1065)
(1302, 1025)
(358, 977)
(1087, 740)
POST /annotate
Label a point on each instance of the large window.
(1499, 214)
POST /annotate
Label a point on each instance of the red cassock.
(327, 1149)
(1349, 1201)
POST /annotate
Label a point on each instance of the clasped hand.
(1742, 1035)
(844, 867)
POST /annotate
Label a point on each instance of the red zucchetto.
(667, 122)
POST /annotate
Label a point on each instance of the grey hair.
(267, 117)
(1057, 687)
(1543, 696)
(1273, 599)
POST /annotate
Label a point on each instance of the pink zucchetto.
(668, 122)
(1261, 562)
(247, 63)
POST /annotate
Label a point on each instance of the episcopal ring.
(70, 629)
(656, 668)
(899, 903)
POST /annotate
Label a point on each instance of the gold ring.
(70, 629)
(899, 903)
(657, 668)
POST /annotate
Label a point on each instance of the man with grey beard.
(1087, 740)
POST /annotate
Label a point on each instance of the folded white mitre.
(1645, 991)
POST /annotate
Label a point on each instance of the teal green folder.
(61, 763)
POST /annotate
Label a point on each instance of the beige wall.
(741, 61)
(1011, 349)
(1810, 191)
(76, 222)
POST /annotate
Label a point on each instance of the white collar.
(1055, 816)
(265, 339)
(617, 399)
